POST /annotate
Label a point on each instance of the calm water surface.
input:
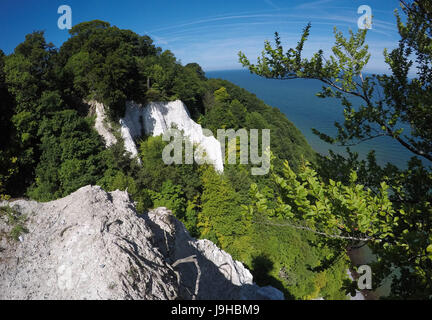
(297, 99)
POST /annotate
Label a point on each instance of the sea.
(298, 101)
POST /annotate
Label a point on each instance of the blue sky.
(208, 32)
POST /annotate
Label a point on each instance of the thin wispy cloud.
(215, 19)
(313, 5)
(272, 4)
(214, 41)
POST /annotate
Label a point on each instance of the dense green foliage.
(387, 208)
(49, 148)
(70, 156)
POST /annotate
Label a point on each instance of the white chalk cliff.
(101, 124)
(155, 119)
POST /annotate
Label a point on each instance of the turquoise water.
(297, 100)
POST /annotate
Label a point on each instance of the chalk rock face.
(93, 245)
(220, 275)
(101, 125)
(158, 117)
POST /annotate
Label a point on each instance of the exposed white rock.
(128, 139)
(157, 117)
(221, 275)
(101, 124)
(93, 245)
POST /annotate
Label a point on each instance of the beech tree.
(387, 208)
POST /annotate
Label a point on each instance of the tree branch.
(363, 140)
(191, 259)
(406, 144)
(333, 236)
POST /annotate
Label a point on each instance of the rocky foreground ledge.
(93, 245)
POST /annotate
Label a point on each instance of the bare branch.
(191, 259)
(406, 144)
(333, 236)
(363, 140)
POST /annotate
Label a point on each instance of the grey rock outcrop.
(93, 245)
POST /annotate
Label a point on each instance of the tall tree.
(31, 83)
(220, 219)
(406, 103)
